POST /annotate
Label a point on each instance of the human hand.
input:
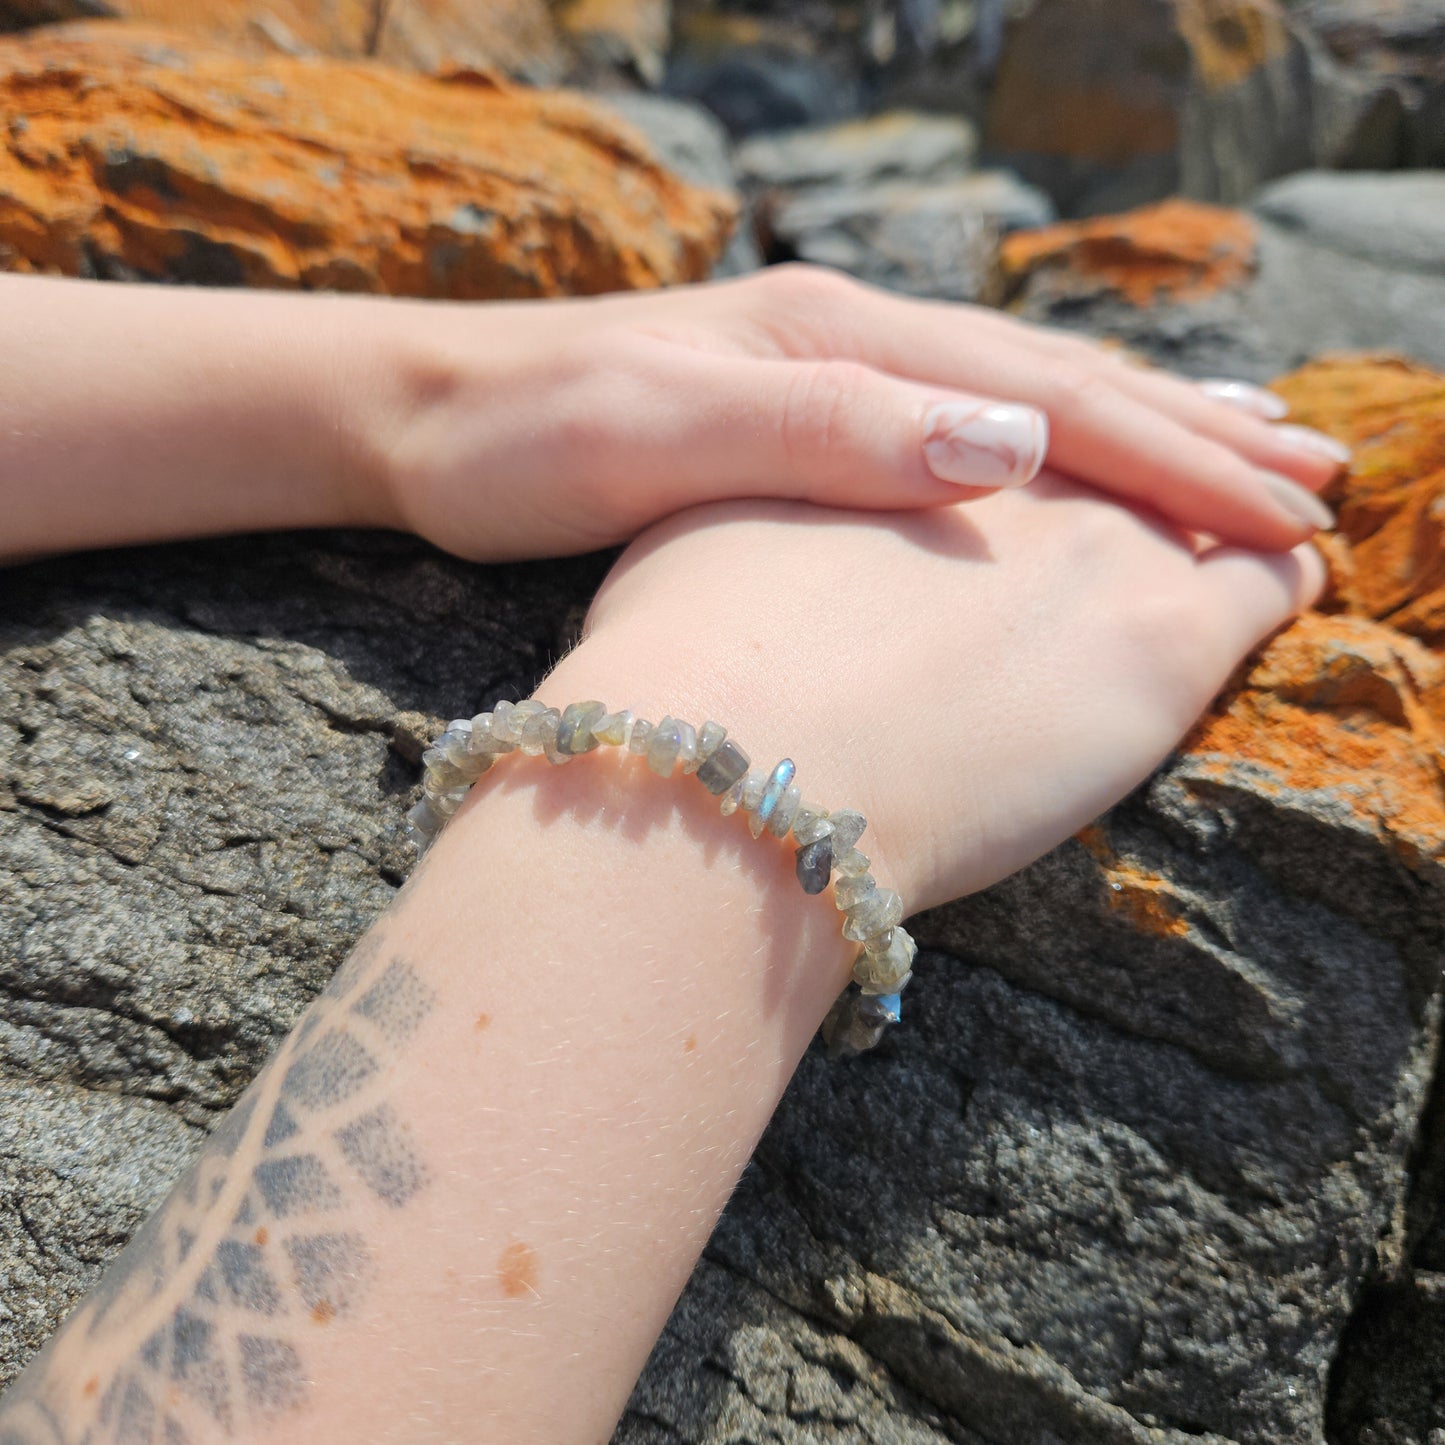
(541, 428)
(980, 680)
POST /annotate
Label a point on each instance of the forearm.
(143, 413)
(523, 1105)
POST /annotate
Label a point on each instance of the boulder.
(517, 36)
(765, 73)
(1107, 105)
(620, 36)
(1329, 262)
(692, 142)
(145, 154)
(1145, 1164)
(892, 199)
(1400, 46)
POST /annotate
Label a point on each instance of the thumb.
(842, 433)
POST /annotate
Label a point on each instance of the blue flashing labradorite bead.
(775, 787)
(883, 1008)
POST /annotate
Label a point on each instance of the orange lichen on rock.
(1146, 898)
(139, 153)
(516, 35)
(1108, 81)
(1350, 703)
(1392, 502)
(1175, 251)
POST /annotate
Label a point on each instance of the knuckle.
(817, 408)
(809, 287)
(1078, 387)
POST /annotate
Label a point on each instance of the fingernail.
(1298, 502)
(1246, 396)
(985, 443)
(1306, 439)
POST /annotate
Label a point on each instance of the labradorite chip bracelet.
(827, 843)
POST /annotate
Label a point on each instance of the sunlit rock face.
(144, 154)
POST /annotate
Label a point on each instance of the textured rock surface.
(893, 199)
(1340, 261)
(517, 35)
(136, 153)
(1134, 1167)
(1109, 104)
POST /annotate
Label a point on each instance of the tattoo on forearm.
(254, 1250)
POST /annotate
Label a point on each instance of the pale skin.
(461, 1202)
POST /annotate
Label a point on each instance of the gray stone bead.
(851, 891)
(890, 970)
(726, 767)
(846, 1033)
(687, 747)
(815, 865)
(612, 728)
(445, 801)
(574, 732)
(811, 824)
(849, 861)
(640, 736)
(509, 718)
(879, 910)
(484, 739)
(732, 799)
(539, 732)
(786, 811)
(848, 826)
(756, 824)
(752, 793)
(423, 822)
(709, 739)
(778, 782)
(880, 942)
(663, 748)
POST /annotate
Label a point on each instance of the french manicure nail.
(1298, 502)
(985, 443)
(1306, 439)
(1246, 396)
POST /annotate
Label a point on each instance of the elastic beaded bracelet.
(827, 843)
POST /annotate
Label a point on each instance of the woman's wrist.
(623, 666)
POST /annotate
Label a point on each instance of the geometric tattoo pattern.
(255, 1249)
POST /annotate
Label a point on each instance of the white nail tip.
(1306, 439)
(985, 444)
(1246, 396)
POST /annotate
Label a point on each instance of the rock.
(1395, 219)
(892, 199)
(760, 75)
(136, 153)
(1399, 45)
(1324, 281)
(629, 36)
(692, 142)
(899, 145)
(1107, 104)
(517, 36)
(1175, 251)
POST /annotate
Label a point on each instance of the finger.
(842, 433)
(1250, 594)
(1101, 432)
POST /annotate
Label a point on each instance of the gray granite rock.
(691, 141)
(892, 199)
(1108, 1184)
(1346, 262)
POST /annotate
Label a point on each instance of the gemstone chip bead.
(727, 765)
(640, 736)
(848, 828)
(851, 891)
(815, 865)
(574, 732)
(811, 824)
(663, 747)
(786, 811)
(777, 785)
(889, 971)
(881, 909)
